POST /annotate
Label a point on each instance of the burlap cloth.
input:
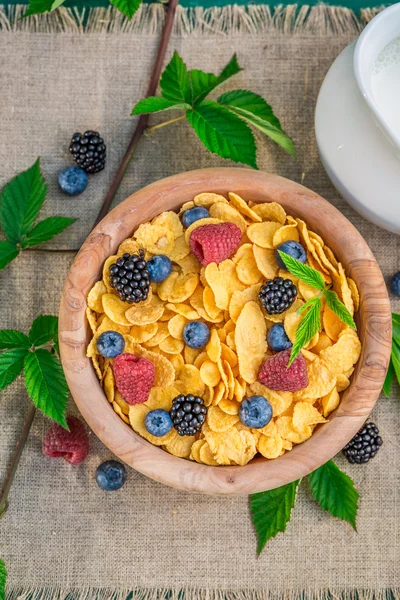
(62, 532)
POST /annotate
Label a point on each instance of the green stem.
(163, 124)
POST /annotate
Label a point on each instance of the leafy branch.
(223, 126)
(394, 365)
(20, 204)
(330, 487)
(311, 322)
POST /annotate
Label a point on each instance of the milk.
(385, 84)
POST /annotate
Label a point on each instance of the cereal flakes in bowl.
(193, 323)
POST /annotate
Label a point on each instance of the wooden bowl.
(374, 327)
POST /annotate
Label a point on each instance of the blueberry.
(196, 334)
(110, 344)
(255, 412)
(294, 249)
(395, 284)
(194, 214)
(158, 422)
(159, 268)
(73, 181)
(277, 338)
(110, 475)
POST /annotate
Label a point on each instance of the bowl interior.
(374, 328)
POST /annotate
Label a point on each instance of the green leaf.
(175, 82)
(335, 492)
(3, 580)
(339, 308)
(46, 385)
(8, 252)
(309, 326)
(223, 133)
(44, 328)
(46, 230)
(203, 83)
(37, 7)
(387, 385)
(154, 104)
(20, 203)
(303, 272)
(270, 511)
(256, 111)
(127, 7)
(396, 327)
(10, 338)
(395, 359)
(11, 365)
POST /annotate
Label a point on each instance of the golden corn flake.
(225, 296)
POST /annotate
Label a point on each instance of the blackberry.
(277, 295)
(188, 414)
(364, 445)
(130, 278)
(89, 151)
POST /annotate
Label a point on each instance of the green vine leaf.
(127, 7)
(46, 230)
(46, 384)
(223, 133)
(10, 338)
(37, 7)
(3, 580)
(271, 511)
(154, 104)
(44, 329)
(8, 252)
(387, 385)
(11, 365)
(257, 112)
(204, 83)
(175, 81)
(335, 492)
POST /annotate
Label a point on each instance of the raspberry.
(215, 243)
(275, 375)
(134, 377)
(73, 445)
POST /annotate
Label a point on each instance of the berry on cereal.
(276, 375)
(196, 334)
(158, 422)
(134, 377)
(194, 214)
(277, 338)
(110, 475)
(188, 414)
(110, 344)
(215, 243)
(277, 295)
(130, 278)
(159, 268)
(255, 412)
(293, 249)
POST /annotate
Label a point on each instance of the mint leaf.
(46, 230)
(41, 6)
(175, 82)
(10, 338)
(335, 492)
(339, 308)
(127, 7)
(387, 385)
(270, 511)
(153, 104)
(8, 252)
(46, 385)
(44, 328)
(303, 272)
(11, 365)
(256, 111)
(20, 203)
(223, 133)
(3, 580)
(203, 83)
(395, 359)
(309, 326)
(396, 327)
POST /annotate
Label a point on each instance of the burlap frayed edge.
(320, 20)
(199, 594)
